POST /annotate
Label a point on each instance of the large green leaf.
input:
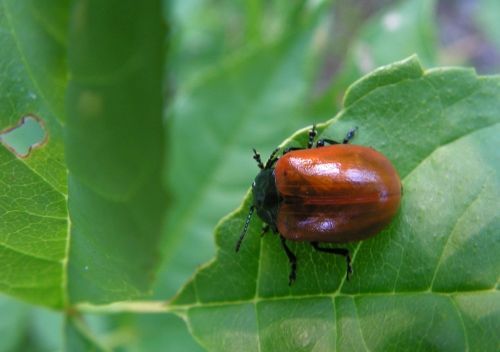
(98, 241)
(114, 145)
(249, 101)
(427, 282)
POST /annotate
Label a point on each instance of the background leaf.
(438, 128)
(141, 332)
(391, 34)
(213, 126)
(114, 148)
(13, 323)
(78, 338)
(24, 327)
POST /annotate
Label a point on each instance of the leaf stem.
(126, 307)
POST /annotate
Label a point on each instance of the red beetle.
(338, 193)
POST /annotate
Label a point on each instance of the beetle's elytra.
(337, 193)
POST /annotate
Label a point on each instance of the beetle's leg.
(312, 135)
(338, 251)
(272, 159)
(292, 259)
(256, 156)
(350, 135)
(321, 143)
(265, 229)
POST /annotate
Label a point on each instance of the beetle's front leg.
(312, 135)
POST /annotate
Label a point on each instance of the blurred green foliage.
(237, 75)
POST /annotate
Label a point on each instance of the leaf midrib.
(256, 300)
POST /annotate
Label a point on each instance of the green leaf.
(78, 338)
(207, 34)
(114, 142)
(213, 126)
(81, 214)
(45, 330)
(428, 281)
(24, 327)
(147, 332)
(13, 323)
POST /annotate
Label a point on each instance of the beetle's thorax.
(265, 197)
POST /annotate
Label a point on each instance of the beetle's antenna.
(256, 156)
(245, 228)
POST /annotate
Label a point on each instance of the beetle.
(335, 192)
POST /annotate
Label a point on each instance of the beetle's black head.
(265, 197)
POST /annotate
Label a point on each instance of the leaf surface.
(114, 143)
(250, 100)
(429, 280)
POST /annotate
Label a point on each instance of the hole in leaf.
(29, 133)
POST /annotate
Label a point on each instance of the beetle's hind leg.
(338, 251)
(292, 259)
